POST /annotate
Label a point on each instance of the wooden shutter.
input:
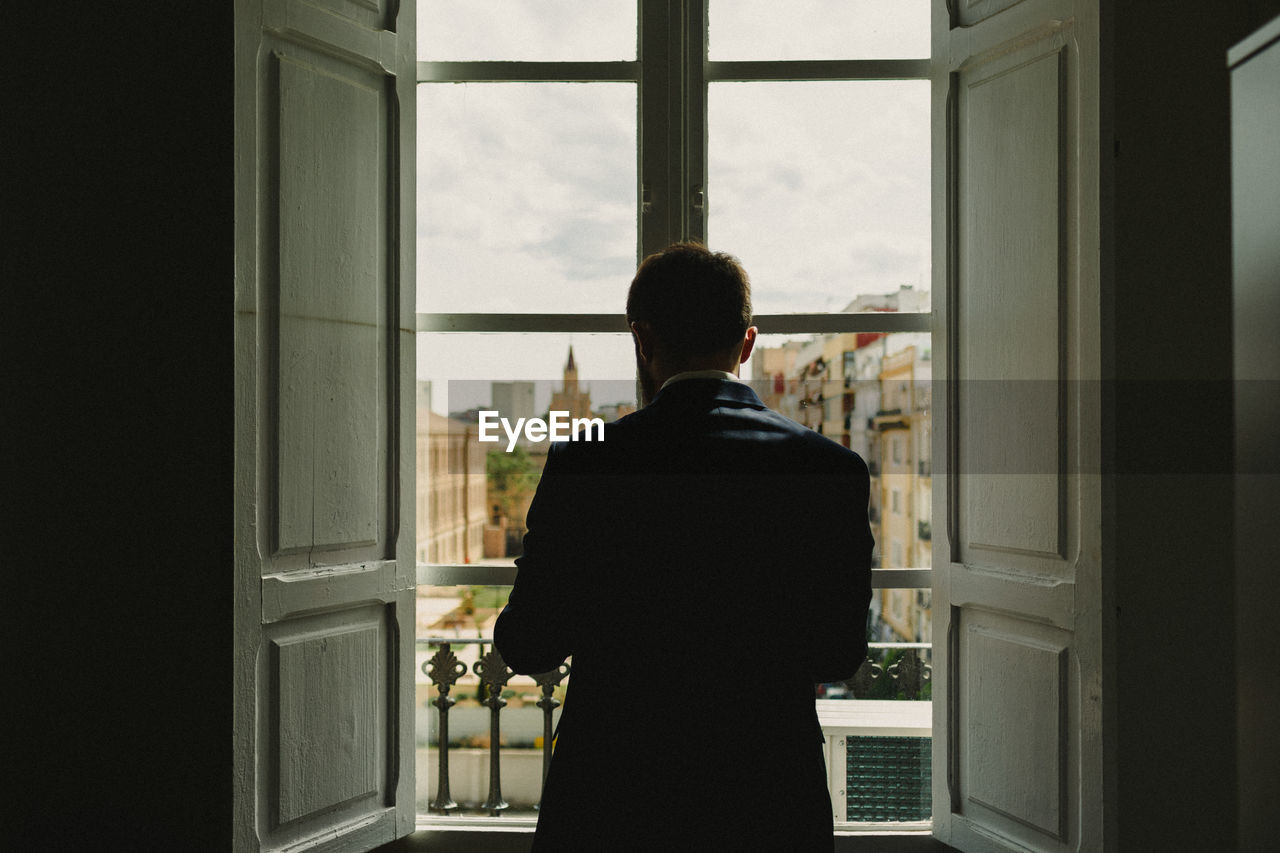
(1017, 717)
(324, 552)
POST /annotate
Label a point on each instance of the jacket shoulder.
(813, 444)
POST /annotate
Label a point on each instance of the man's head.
(689, 309)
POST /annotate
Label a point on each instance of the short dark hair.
(697, 302)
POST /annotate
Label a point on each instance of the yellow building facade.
(905, 484)
(451, 502)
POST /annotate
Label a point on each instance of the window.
(559, 142)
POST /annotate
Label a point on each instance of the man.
(705, 564)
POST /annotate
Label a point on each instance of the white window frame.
(672, 202)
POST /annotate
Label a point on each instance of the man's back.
(704, 565)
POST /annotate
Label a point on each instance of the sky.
(526, 191)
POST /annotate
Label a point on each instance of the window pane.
(870, 392)
(472, 496)
(822, 190)
(526, 197)
(527, 30)
(819, 29)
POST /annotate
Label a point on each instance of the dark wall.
(1168, 424)
(119, 320)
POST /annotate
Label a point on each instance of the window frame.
(672, 74)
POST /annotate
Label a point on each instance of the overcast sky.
(526, 192)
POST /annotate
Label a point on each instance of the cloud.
(527, 191)
(526, 196)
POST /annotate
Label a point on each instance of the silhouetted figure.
(705, 565)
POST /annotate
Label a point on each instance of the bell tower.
(571, 376)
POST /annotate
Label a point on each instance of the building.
(871, 393)
(905, 483)
(572, 396)
(906, 299)
(452, 508)
(612, 411)
(514, 400)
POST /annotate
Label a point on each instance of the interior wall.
(119, 289)
(1168, 425)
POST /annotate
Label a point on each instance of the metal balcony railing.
(881, 730)
(874, 742)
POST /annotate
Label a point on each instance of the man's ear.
(643, 336)
(748, 343)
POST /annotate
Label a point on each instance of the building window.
(560, 142)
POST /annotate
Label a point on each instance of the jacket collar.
(700, 374)
(694, 390)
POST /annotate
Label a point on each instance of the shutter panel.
(1017, 725)
(324, 632)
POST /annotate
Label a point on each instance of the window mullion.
(832, 323)
(659, 119)
(694, 129)
(490, 71)
(673, 123)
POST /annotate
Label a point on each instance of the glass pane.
(871, 393)
(526, 197)
(822, 190)
(526, 30)
(472, 496)
(819, 29)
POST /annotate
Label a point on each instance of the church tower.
(570, 398)
(571, 376)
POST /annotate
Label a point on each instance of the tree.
(510, 478)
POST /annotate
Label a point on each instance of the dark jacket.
(704, 565)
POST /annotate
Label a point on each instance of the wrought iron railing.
(893, 672)
(901, 673)
(444, 669)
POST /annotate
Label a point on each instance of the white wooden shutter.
(324, 555)
(1017, 717)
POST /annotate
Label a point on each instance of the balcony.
(484, 733)
(890, 419)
